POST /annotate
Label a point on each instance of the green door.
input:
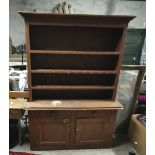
(133, 46)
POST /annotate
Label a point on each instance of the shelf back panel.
(73, 79)
(72, 94)
(54, 61)
(44, 37)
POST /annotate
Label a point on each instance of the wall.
(101, 7)
(136, 8)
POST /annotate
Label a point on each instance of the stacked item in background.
(141, 105)
(125, 90)
(63, 8)
(17, 80)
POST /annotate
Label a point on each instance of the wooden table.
(16, 108)
(16, 112)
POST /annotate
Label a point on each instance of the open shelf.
(48, 37)
(76, 62)
(63, 78)
(72, 94)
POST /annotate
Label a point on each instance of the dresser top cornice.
(75, 18)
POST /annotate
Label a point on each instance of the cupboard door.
(50, 132)
(90, 131)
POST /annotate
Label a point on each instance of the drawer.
(50, 113)
(16, 113)
(92, 113)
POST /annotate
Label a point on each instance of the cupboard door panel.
(90, 131)
(54, 133)
(51, 132)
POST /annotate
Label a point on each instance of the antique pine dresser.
(73, 71)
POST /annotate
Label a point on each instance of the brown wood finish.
(18, 94)
(63, 71)
(28, 58)
(76, 19)
(57, 87)
(77, 129)
(53, 132)
(73, 105)
(121, 48)
(91, 131)
(73, 64)
(107, 62)
(16, 108)
(73, 52)
(95, 134)
(40, 39)
(17, 103)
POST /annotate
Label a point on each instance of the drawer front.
(92, 113)
(16, 113)
(50, 113)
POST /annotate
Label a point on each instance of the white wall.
(16, 23)
(101, 7)
(136, 8)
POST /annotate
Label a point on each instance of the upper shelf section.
(75, 32)
(76, 19)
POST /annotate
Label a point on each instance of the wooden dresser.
(73, 71)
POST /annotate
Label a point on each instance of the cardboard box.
(137, 135)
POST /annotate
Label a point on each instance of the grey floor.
(121, 146)
(122, 149)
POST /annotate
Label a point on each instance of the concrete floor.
(122, 149)
(121, 146)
